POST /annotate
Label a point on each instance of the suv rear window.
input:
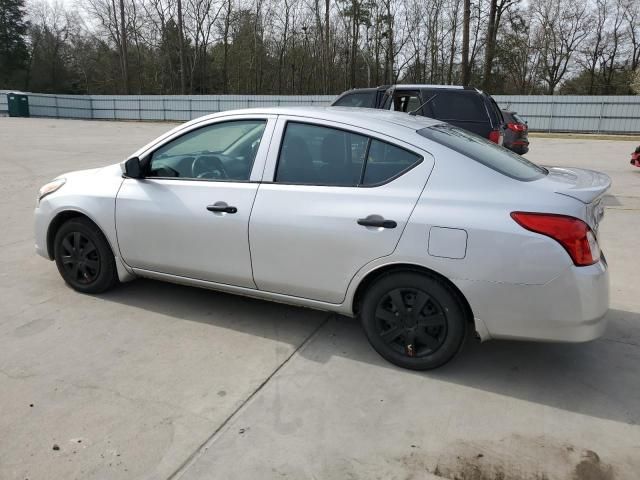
(456, 106)
(483, 151)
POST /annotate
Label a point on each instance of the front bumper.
(42, 218)
(569, 308)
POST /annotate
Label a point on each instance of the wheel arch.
(384, 270)
(60, 219)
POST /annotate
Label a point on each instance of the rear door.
(332, 200)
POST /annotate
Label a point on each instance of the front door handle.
(376, 221)
(221, 207)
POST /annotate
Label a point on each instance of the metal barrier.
(576, 113)
(564, 113)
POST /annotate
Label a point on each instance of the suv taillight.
(572, 233)
(495, 136)
(517, 127)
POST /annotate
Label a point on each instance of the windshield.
(483, 151)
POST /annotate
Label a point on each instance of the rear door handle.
(376, 221)
(221, 207)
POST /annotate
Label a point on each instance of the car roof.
(361, 117)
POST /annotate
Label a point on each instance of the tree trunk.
(490, 46)
(390, 78)
(327, 49)
(466, 71)
(183, 82)
(225, 61)
(123, 48)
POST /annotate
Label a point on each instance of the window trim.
(364, 166)
(263, 149)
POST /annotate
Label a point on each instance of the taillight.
(572, 233)
(517, 127)
(494, 136)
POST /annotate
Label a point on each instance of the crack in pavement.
(182, 468)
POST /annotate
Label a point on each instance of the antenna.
(414, 112)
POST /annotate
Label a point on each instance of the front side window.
(484, 151)
(318, 155)
(223, 151)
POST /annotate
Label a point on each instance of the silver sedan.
(427, 232)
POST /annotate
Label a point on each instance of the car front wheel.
(83, 257)
(414, 320)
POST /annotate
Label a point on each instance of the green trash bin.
(18, 104)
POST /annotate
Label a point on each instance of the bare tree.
(563, 27)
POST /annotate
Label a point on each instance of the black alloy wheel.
(80, 258)
(410, 321)
(414, 320)
(83, 256)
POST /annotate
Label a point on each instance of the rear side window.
(483, 151)
(456, 106)
(406, 101)
(360, 99)
(386, 161)
(318, 155)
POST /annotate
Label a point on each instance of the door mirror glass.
(132, 168)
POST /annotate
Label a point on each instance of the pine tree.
(13, 47)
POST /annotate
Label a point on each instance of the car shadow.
(598, 378)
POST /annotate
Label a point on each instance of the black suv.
(464, 107)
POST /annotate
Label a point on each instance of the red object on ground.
(635, 157)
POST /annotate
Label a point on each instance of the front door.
(333, 200)
(190, 215)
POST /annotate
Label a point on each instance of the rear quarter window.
(483, 151)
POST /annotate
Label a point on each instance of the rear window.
(456, 106)
(518, 118)
(483, 151)
(509, 117)
(360, 99)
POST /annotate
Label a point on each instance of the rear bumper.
(570, 308)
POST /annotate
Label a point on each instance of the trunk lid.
(586, 186)
(579, 183)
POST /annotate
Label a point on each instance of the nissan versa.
(425, 231)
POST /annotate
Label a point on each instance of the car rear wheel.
(83, 257)
(414, 320)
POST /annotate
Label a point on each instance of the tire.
(421, 341)
(83, 257)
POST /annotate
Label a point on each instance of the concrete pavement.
(162, 381)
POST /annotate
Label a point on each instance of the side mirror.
(132, 168)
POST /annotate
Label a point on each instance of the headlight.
(50, 188)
